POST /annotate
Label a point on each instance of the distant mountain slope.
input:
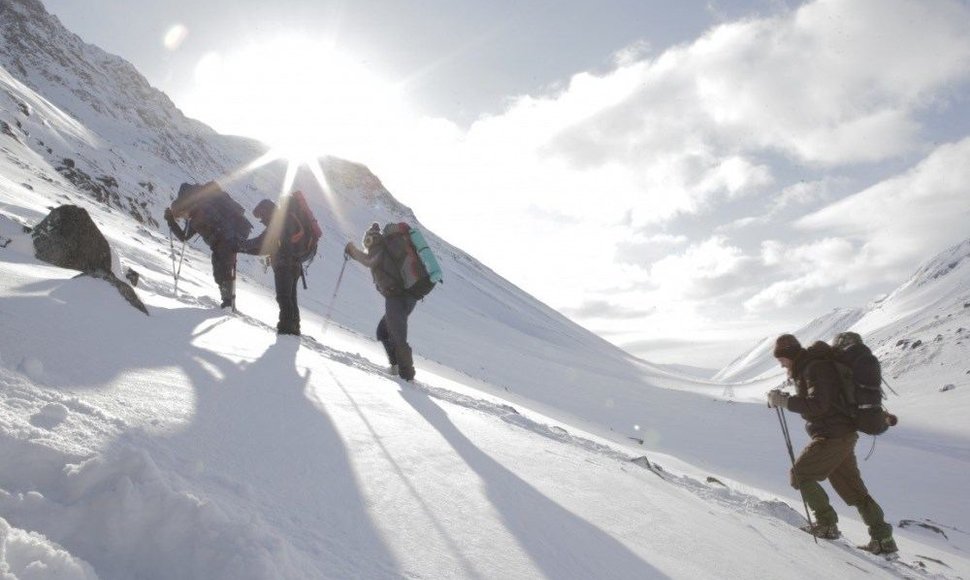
(759, 360)
(920, 332)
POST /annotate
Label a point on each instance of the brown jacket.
(819, 393)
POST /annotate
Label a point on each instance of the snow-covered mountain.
(195, 444)
(920, 327)
(759, 360)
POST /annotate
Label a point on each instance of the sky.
(682, 178)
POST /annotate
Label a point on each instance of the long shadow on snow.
(560, 543)
(256, 434)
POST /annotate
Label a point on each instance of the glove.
(777, 398)
(348, 249)
(169, 218)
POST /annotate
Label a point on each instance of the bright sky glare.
(682, 180)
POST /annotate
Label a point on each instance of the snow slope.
(193, 444)
(759, 360)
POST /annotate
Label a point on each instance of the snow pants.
(392, 331)
(834, 459)
(224, 272)
(286, 274)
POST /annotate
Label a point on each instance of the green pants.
(834, 459)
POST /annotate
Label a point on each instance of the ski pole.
(890, 388)
(171, 246)
(791, 454)
(326, 323)
(178, 273)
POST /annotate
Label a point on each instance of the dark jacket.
(865, 366)
(202, 221)
(386, 274)
(819, 393)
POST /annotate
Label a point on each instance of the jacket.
(386, 274)
(818, 397)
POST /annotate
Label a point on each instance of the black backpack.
(861, 375)
(217, 209)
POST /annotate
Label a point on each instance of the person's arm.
(254, 246)
(369, 260)
(173, 225)
(824, 384)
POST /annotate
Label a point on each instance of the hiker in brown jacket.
(831, 453)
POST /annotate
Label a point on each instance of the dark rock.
(132, 277)
(947, 387)
(69, 238)
(917, 343)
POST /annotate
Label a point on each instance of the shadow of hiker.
(256, 434)
(560, 543)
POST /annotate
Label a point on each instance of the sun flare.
(300, 97)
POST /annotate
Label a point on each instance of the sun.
(299, 96)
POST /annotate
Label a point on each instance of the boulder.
(69, 238)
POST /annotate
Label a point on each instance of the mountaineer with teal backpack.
(404, 271)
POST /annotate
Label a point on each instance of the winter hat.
(372, 235)
(787, 346)
(264, 209)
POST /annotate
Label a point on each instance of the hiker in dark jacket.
(392, 331)
(831, 452)
(274, 242)
(216, 231)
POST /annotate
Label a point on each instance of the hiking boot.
(884, 546)
(824, 531)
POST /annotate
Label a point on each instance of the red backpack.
(307, 233)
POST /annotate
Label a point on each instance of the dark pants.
(834, 459)
(286, 274)
(392, 331)
(224, 271)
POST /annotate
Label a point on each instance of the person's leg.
(847, 482)
(285, 281)
(223, 261)
(396, 311)
(385, 340)
(819, 459)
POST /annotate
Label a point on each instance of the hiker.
(276, 242)
(831, 452)
(211, 213)
(392, 331)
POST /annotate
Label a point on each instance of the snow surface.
(193, 443)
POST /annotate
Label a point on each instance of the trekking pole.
(890, 388)
(791, 454)
(178, 273)
(171, 246)
(326, 323)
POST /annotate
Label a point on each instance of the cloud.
(570, 180)
(906, 219)
(604, 309)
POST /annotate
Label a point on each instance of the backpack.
(213, 206)
(413, 258)
(303, 241)
(861, 378)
